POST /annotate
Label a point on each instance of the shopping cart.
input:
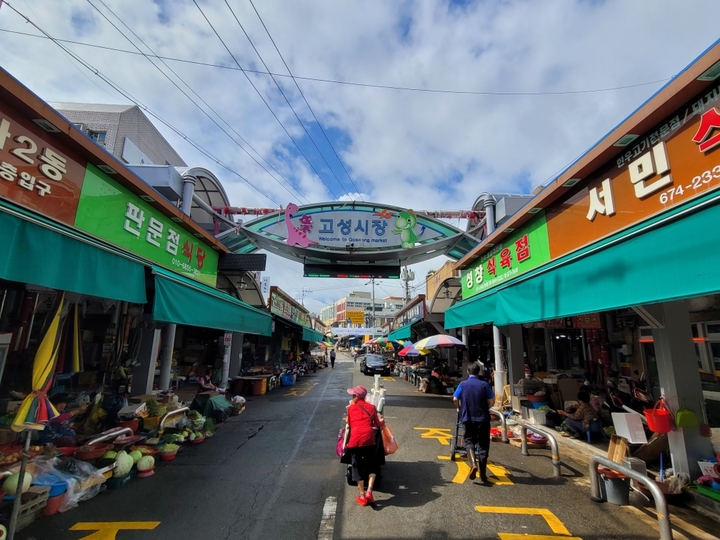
(458, 440)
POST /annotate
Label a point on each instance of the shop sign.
(285, 309)
(34, 172)
(114, 214)
(675, 163)
(355, 317)
(523, 251)
(589, 320)
(413, 314)
(562, 322)
(356, 228)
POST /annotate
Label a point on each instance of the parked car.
(374, 363)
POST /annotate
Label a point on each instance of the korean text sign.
(111, 212)
(523, 251)
(34, 171)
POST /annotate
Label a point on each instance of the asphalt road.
(272, 473)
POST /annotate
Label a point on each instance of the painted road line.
(107, 530)
(551, 519)
(513, 536)
(301, 390)
(327, 524)
(443, 435)
(387, 379)
(464, 469)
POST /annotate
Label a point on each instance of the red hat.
(359, 391)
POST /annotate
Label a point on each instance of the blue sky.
(427, 104)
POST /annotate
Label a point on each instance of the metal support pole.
(112, 434)
(18, 491)
(555, 457)
(501, 416)
(661, 507)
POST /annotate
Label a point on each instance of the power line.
(303, 96)
(263, 99)
(191, 99)
(351, 83)
(132, 99)
(312, 139)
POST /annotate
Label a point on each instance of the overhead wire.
(264, 100)
(317, 121)
(359, 84)
(302, 124)
(138, 103)
(296, 194)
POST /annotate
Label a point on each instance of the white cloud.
(421, 150)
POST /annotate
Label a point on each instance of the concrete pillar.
(679, 379)
(168, 344)
(236, 353)
(465, 335)
(143, 374)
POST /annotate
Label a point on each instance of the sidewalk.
(690, 518)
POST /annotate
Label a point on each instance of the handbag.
(391, 445)
(341, 447)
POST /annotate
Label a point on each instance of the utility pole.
(372, 280)
(407, 276)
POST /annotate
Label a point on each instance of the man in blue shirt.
(473, 399)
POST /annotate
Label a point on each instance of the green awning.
(670, 257)
(183, 301)
(41, 252)
(308, 334)
(404, 332)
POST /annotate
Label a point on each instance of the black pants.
(478, 433)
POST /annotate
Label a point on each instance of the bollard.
(501, 416)
(555, 456)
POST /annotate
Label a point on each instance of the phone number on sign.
(185, 266)
(698, 183)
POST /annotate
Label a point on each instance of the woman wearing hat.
(363, 419)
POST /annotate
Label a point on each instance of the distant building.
(123, 130)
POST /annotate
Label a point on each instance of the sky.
(418, 104)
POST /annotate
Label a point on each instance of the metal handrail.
(111, 435)
(499, 414)
(168, 415)
(661, 506)
(555, 457)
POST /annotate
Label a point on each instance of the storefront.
(630, 226)
(293, 332)
(73, 219)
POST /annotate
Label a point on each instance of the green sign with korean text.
(114, 214)
(528, 248)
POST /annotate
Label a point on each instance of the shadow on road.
(421, 401)
(410, 484)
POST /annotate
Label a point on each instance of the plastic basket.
(708, 492)
(287, 379)
(659, 418)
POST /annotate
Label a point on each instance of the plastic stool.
(595, 427)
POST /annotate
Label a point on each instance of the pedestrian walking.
(363, 420)
(473, 398)
(332, 358)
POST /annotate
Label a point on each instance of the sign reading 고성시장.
(111, 212)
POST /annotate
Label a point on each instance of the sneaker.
(369, 499)
(473, 472)
(361, 500)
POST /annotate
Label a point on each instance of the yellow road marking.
(501, 473)
(555, 524)
(387, 379)
(107, 530)
(443, 435)
(462, 472)
(464, 469)
(513, 536)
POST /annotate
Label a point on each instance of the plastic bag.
(391, 445)
(83, 480)
(340, 443)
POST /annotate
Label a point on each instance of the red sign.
(589, 320)
(35, 173)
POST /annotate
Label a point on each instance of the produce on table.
(110, 454)
(11, 483)
(146, 463)
(169, 447)
(10, 458)
(136, 455)
(124, 463)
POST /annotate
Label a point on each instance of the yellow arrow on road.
(107, 530)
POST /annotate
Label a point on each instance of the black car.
(374, 363)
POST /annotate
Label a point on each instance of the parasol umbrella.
(439, 341)
(36, 409)
(410, 350)
(321, 344)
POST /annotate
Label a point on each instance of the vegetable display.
(124, 463)
(146, 463)
(110, 454)
(11, 483)
(136, 456)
